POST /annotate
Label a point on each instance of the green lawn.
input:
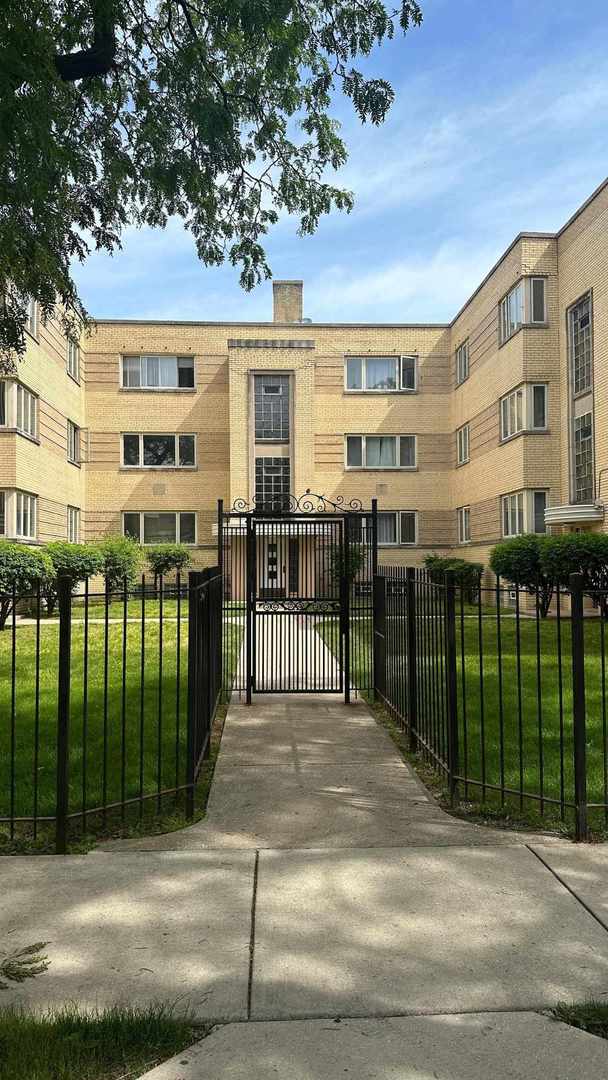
(116, 1044)
(121, 741)
(529, 744)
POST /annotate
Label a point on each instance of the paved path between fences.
(330, 917)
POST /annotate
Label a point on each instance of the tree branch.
(99, 58)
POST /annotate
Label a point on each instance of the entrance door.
(272, 567)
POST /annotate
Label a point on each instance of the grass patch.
(107, 1045)
(128, 732)
(515, 714)
(590, 1016)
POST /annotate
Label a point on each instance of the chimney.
(287, 301)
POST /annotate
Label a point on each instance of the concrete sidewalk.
(326, 883)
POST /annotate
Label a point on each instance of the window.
(462, 439)
(524, 511)
(539, 505)
(25, 516)
(397, 527)
(3, 409)
(583, 458)
(381, 373)
(26, 411)
(73, 359)
(271, 406)
(580, 345)
(150, 527)
(31, 317)
(380, 451)
(73, 443)
(2, 513)
(272, 482)
(524, 409)
(464, 524)
(523, 305)
(158, 372)
(158, 451)
(73, 524)
(462, 362)
(513, 514)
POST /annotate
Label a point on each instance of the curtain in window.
(380, 452)
(387, 528)
(353, 373)
(381, 373)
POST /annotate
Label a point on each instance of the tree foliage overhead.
(130, 111)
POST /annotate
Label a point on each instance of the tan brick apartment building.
(493, 424)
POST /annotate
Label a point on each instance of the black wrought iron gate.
(298, 583)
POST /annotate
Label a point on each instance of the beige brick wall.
(41, 467)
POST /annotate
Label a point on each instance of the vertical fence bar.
(379, 645)
(345, 589)
(250, 571)
(64, 592)
(578, 707)
(412, 691)
(451, 684)
(194, 581)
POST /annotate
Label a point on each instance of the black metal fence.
(106, 708)
(507, 705)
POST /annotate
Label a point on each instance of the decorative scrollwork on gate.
(300, 606)
(308, 503)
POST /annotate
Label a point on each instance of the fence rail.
(107, 706)
(508, 705)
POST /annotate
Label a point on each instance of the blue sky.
(500, 124)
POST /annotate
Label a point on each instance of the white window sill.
(157, 389)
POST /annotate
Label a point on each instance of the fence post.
(194, 580)
(451, 683)
(412, 691)
(578, 706)
(379, 625)
(64, 593)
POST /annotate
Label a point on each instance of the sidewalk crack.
(252, 933)
(569, 888)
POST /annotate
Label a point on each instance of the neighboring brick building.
(493, 424)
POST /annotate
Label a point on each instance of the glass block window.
(579, 343)
(272, 481)
(583, 458)
(271, 404)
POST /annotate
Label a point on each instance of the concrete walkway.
(328, 903)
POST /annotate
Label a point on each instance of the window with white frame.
(25, 418)
(462, 442)
(73, 443)
(380, 451)
(3, 404)
(3, 529)
(464, 524)
(25, 515)
(381, 374)
(580, 345)
(73, 524)
(31, 317)
(523, 511)
(160, 527)
(158, 372)
(160, 451)
(462, 362)
(524, 305)
(524, 409)
(73, 359)
(397, 527)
